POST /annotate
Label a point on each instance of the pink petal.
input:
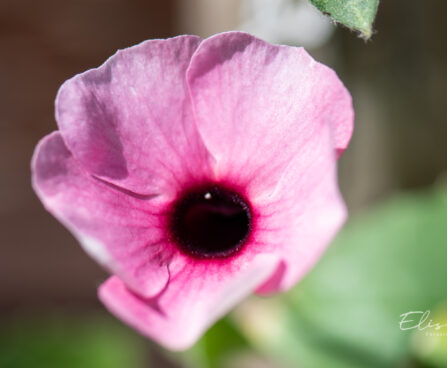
(191, 303)
(119, 230)
(303, 214)
(129, 121)
(257, 105)
(275, 121)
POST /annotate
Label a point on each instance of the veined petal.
(121, 231)
(129, 121)
(304, 213)
(258, 105)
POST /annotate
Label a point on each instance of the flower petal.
(275, 122)
(304, 213)
(119, 230)
(257, 105)
(191, 303)
(129, 121)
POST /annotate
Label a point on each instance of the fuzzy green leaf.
(355, 14)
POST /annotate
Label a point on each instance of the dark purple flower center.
(211, 222)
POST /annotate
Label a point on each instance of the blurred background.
(391, 257)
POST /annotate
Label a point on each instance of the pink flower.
(197, 171)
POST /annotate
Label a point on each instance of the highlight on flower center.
(197, 171)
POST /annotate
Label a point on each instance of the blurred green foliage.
(346, 312)
(66, 341)
(222, 342)
(355, 14)
(432, 348)
(388, 262)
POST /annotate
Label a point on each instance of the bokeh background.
(391, 257)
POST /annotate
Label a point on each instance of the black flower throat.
(211, 222)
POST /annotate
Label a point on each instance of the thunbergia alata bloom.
(197, 171)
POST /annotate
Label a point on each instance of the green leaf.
(346, 312)
(355, 14)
